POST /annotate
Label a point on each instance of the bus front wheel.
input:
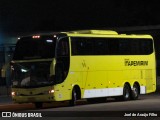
(38, 105)
(72, 102)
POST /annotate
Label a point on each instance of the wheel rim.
(74, 97)
(135, 91)
(127, 94)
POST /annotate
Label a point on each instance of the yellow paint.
(98, 72)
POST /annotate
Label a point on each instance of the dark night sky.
(22, 16)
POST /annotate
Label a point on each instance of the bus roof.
(109, 33)
(97, 32)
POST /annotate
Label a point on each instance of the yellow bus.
(86, 64)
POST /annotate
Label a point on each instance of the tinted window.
(35, 48)
(63, 47)
(146, 46)
(101, 47)
(111, 46)
(82, 46)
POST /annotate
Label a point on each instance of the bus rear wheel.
(135, 92)
(126, 92)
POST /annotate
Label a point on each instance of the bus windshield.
(40, 47)
(31, 74)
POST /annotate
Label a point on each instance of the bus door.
(62, 60)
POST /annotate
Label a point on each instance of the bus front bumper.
(32, 99)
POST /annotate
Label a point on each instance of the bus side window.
(135, 47)
(124, 47)
(113, 46)
(78, 46)
(146, 47)
(101, 46)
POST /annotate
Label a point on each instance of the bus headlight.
(13, 93)
(51, 91)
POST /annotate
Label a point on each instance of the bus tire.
(72, 102)
(38, 105)
(135, 92)
(126, 92)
